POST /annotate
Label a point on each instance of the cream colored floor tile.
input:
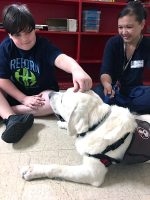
(145, 197)
(41, 191)
(45, 143)
(10, 182)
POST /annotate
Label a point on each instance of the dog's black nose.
(59, 118)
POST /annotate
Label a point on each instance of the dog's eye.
(61, 99)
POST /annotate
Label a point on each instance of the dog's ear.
(87, 112)
(93, 94)
(78, 122)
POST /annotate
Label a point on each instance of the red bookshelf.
(85, 47)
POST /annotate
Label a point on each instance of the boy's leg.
(5, 109)
(43, 110)
(16, 125)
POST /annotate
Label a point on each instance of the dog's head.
(80, 110)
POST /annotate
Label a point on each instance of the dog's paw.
(147, 162)
(26, 173)
(30, 172)
(62, 125)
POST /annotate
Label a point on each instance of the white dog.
(103, 134)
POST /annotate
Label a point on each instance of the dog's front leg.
(62, 125)
(89, 174)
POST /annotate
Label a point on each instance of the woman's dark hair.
(17, 18)
(134, 8)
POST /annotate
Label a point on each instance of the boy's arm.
(33, 101)
(9, 88)
(81, 80)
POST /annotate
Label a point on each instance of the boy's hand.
(81, 81)
(34, 101)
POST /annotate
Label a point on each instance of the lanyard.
(125, 65)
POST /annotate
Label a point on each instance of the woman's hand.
(106, 82)
(108, 90)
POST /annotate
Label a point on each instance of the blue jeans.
(137, 100)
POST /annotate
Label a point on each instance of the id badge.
(137, 63)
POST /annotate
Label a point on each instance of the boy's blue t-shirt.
(31, 71)
(114, 59)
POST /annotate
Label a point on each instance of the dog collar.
(95, 125)
(106, 160)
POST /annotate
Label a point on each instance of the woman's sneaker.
(16, 127)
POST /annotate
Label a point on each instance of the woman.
(125, 57)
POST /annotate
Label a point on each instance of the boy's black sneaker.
(16, 127)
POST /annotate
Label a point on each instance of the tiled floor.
(45, 143)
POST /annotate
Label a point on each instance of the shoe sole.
(15, 132)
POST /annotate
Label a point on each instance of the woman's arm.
(106, 82)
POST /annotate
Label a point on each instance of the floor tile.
(45, 143)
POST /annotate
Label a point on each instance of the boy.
(27, 72)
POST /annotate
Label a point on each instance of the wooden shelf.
(90, 61)
(43, 32)
(104, 3)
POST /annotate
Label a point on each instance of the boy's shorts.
(12, 101)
